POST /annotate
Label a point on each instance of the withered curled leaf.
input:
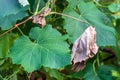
(84, 47)
(40, 18)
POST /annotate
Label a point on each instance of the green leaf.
(115, 74)
(54, 73)
(49, 49)
(2, 61)
(10, 13)
(7, 8)
(114, 7)
(75, 3)
(5, 43)
(87, 74)
(90, 74)
(8, 21)
(88, 12)
(105, 73)
(4, 46)
(73, 27)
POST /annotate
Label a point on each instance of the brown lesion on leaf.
(40, 18)
(84, 47)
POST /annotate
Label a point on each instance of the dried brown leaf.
(85, 47)
(40, 18)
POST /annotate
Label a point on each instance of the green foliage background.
(30, 52)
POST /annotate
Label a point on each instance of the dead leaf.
(84, 47)
(40, 18)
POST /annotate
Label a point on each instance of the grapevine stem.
(70, 17)
(16, 25)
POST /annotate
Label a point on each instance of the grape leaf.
(54, 73)
(6, 8)
(5, 43)
(105, 73)
(49, 49)
(88, 12)
(4, 46)
(8, 21)
(114, 7)
(90, 74)
(10, 13)
(75, 3)
(102, 73)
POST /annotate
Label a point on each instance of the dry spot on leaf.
(40, 18)
(84, 47)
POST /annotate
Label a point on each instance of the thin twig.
(70, 17)
(109, 51)
(16, 25)
(12, 75)
(108, 58)
(9, 77)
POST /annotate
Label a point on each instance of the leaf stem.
(94, 67)
(98, 62)
(29, 76)
(71, 17)
(99, 4)
(16, 25)
(38, 4)
(7, 78)
(20, 31)
(47, 5)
